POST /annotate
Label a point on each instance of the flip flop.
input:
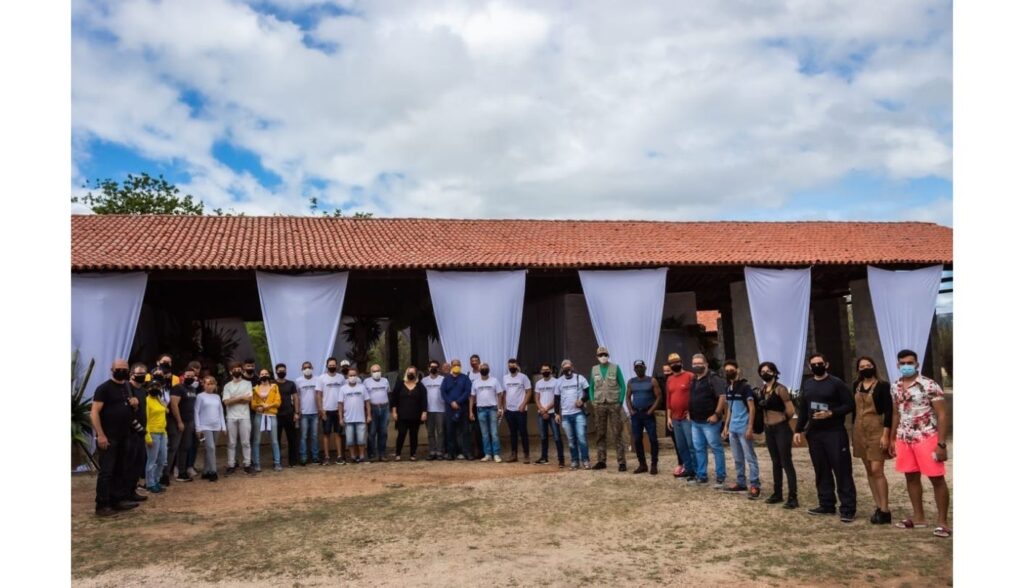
(941, 531)
(908, 524)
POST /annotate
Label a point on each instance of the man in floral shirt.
(920, 445)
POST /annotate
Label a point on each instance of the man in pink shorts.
(920, 447)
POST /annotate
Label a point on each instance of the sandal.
(908, 523)
(941, 531)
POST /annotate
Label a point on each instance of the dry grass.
(500, 524)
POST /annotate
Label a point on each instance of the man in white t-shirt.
(328, 388)
(488, 398)
(310, 408)
(378, 387)
(544, 394)
(570, 398)
(435, 410)
(237, 395)
(354, 407)
(518, 393)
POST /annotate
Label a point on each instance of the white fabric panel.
(780, 306)
(301, 315)
(904, 304)
(625, 309)
(479, 312)
(104, 315)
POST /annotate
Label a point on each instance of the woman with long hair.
(408, 410)
(774, 399)
(873, 433)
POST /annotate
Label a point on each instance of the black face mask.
(640, 372)
(139, 378)
(567, 372)
(676, 367)
(165, 367)
(546, 373)
(249, 371)
(189, 381)
(410, 376)
(485, 372)
(699, 369)
(121, 374)
(818, 369)
(236, 374)
(281, 374)
(730, 375)
(767, 376)
(332, 369)
(513, 370)
(264, 378)
(868, 373)
(433, 370)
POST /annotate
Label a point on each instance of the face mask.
(190, 381)
(308, 372)
(353, 380)
(264, 379)
(730, 375)
(158, 378)
(513, 370)
(567, 372)
(640, 372)
(546, 373)
(282, 374)
(767, 376)
(375, 375)
(410, 376)
(332, 368)
(677, 367)
(908, 371)
(818, 369)
(121, 374)
(433, 370)
(249, 371)
(165, 367)
(139, 378)
(485, 371)
(195, 384)
(603, 359)
(236, 374)
(868, 373)
(456, 370)
(699, 369)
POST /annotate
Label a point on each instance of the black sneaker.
(185, 479)
(105, 511)
(230, 470)
(884, 518)
(791, 504)
(599, 466)
(137, 497)
(248, 470)
(773, 499)
(213, 477)
(622, 467)
(164, 480)
(640, 469)
(821, 510)
(541, 461)
(846, 518)
(561, 465)
(125, 505)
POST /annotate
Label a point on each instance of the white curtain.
(479, 312)
(625, 309)
(301, 315)
(904, 304)
(780, 305)
(104, 315)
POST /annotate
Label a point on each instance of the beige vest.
(605, 389)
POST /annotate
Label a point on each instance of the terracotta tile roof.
(114, 242)
(708, 318)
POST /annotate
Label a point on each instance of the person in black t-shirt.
(826, 400)
(136, 440)
(112, 411)
(182, 420)
(287, 415)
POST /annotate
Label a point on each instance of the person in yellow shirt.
(156, 437)
(266, 399)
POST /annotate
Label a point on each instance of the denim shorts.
(355, 434)
(330, 424)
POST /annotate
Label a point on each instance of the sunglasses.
(602, 355)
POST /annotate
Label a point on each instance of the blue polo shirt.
(736, 396)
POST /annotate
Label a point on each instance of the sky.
(737, 110)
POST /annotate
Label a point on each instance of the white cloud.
(597, 109)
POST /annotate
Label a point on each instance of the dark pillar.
(392, 347)
(828, 333)
(728, 333)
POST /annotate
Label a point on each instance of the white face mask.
(353, 380)
(376, 375)
(308, 372)
(195, 384)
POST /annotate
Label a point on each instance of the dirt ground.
(466, 524)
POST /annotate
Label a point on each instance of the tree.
(141, 194)
(314, 207)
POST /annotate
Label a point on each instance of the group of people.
(149, 425)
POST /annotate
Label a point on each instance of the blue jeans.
(575, 426)
(156, 458)
(257, 435)
(488, 418)
(543, 426)
(640, 422)
(377, 443)
(705, 434)
(743, 455)
(308, 434)
(682, 430)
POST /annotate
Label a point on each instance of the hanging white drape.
(625, 309)
(104, 315)
(301, 315)
(479, 312)
(904, 304)
(780, 306)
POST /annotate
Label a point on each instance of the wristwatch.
(941, 445)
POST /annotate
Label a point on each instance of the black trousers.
(110, 483)
(188, 439)
(833, 469)
(457, 435)
(286, 427)
(477, 436)
(412, 428)
(779, 439)
(174, 438)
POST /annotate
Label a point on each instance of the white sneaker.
(192, 472)
(497, 458)
(485, 458)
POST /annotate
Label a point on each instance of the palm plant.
(81, 409)
(362, 333)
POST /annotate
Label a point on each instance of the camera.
(137, 427)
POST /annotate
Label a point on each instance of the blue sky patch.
(241, 159)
